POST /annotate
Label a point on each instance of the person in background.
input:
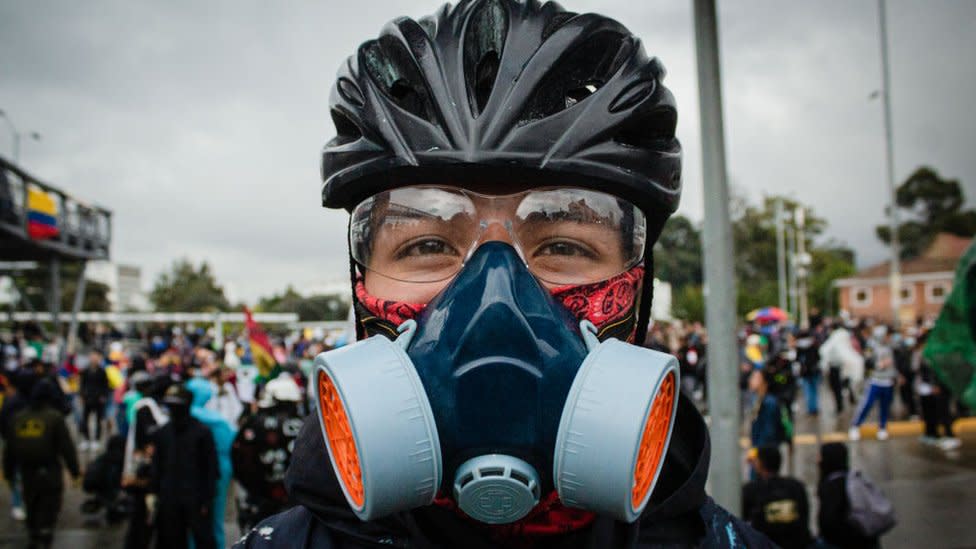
(224, 400)
(13, 402)
(808, 355)
(903, 350)
(39, 446)
(184, 476)
(832, 516)
(766, 423)
(845, 366)
(223, 433)
(933, 402)
(94, 391)
(262, 452)
(774, 505)
(146, 418)
(881, 388)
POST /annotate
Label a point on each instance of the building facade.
(925, 284)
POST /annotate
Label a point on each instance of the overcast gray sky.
(200, 123)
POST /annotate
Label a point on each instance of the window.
(862, 296)
(907, 295)
(936, 292)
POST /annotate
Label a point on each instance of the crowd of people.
(164, 423)
(861, 363)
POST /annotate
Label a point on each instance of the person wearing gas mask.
(508, 167)
(262, 451)
(184, 476)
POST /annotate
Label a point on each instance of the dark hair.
(769, 458)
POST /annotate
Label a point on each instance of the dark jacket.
(184, 465)
(778, 507)
(38, 438)
(94, 384)
(679, 514)
(765, 429)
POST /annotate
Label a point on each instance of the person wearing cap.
(507, 167)
(184, 476)
(39, 446)
(94, 391)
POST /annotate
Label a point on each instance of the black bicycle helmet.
(506, 91)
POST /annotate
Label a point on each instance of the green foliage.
(678, 259)
(185, 288)
(688, 303)
(36, 285)
(309, 309)
(678, 254)
(930, 205)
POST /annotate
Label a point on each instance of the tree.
(36, 285)
(309, 309)
(678, 254)
(930, 205)
(185, 288)
(754, 237)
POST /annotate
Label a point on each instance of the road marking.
(870, 431)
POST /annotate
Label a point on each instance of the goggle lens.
(564, 235)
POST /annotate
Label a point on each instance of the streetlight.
(894, 276)
(16, 135)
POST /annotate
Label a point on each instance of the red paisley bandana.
(610, 305)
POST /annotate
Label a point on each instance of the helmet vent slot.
(346, 130)
(654, 130)
(393, 69)
(484, 41)
(577, 75)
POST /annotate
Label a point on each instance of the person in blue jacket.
(223, 435)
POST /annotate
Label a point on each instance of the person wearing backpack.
(40, 447)
(774, 505)
(853, 512)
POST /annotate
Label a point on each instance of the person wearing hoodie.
(184, 476)
(832, 516)
(223, 433)
(39, 446)
(507, 165)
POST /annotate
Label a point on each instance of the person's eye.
(564, 248)
(426, 247)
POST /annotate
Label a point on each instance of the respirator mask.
(496, 395)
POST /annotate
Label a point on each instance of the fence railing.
(83, 229)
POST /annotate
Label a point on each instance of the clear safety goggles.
(564, 235)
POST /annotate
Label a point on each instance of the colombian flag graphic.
(42, 214)
(260, 346)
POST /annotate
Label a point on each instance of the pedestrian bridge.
(40, 222)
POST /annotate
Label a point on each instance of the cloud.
(200, 125)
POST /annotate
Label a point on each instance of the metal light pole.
(15, 136)
(780, 255)
(802, 266)
(723, 368)
(791, 281)
(894, 281)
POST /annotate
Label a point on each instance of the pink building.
(925, 283)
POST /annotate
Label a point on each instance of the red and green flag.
(260, 347)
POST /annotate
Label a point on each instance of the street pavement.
(934, 491)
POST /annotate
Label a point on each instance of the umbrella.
(767, 314)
